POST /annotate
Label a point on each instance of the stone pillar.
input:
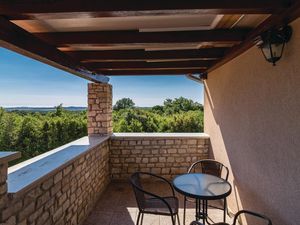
(5, 157)
(99, 109)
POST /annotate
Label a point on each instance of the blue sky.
(26, 82)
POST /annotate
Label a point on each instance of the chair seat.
(157, 206)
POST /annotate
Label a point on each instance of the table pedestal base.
(201, 210)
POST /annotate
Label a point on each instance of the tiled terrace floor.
(117, 205)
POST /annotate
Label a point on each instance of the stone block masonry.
(66, 193)
(65, 197)
(5, 157)
(168, 155)
(99, 109)
(3, 186)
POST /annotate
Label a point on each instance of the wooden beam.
(141, 72)
(111, 14)
(115, 65)
(14, 7)
(19, 40)
(110, 55)
(129, 37)
(283, 18)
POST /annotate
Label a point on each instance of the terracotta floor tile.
(99, 218)
(151, 219)
(117, 205)
(124, 218)
(166, 220)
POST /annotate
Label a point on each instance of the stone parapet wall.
(3, 185)
(99, 109)
(167, 156)
(65, 197)
(68, 191)
(5, 158)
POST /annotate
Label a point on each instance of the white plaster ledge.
(159, 135)
(26, 174)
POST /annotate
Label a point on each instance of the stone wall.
(5, 158)
(99, 109)
(3, 185)
(66, 197)
(167, 155)
(66, 194)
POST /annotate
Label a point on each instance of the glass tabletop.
(202, 186)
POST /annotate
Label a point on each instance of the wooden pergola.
(138, 37)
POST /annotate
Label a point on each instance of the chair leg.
(178, 219)
(142, 218)
(173, 219)
(138, 219)
(225, 210)
(184, 209)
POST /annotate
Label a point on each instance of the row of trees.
(33, 133)
(178, 115)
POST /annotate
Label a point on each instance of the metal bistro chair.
(149, 203)
(255, 215)
(212, 167)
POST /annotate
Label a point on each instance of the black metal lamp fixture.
(272, 43)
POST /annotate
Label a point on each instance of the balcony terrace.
(251, 108)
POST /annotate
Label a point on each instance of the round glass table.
(202, 187)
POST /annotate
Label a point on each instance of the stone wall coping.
(160, 135)
(23, 176)
(8, 156)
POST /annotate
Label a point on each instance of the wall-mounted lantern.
(272, 43)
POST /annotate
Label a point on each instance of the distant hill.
(51, 109)
(43, 109)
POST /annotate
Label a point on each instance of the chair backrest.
(258, 218)
(209, 166)
(135, 181)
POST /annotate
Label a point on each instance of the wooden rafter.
(174, 71)
(141, 55)
(21, 7)
(44, 46)
(114, 65)
(19, 40)
(125, 37)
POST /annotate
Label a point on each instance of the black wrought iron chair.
(150, 203)
(212, 167)
(265, 220)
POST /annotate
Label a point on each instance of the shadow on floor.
(117, 205)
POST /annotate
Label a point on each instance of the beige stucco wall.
(252, 114)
